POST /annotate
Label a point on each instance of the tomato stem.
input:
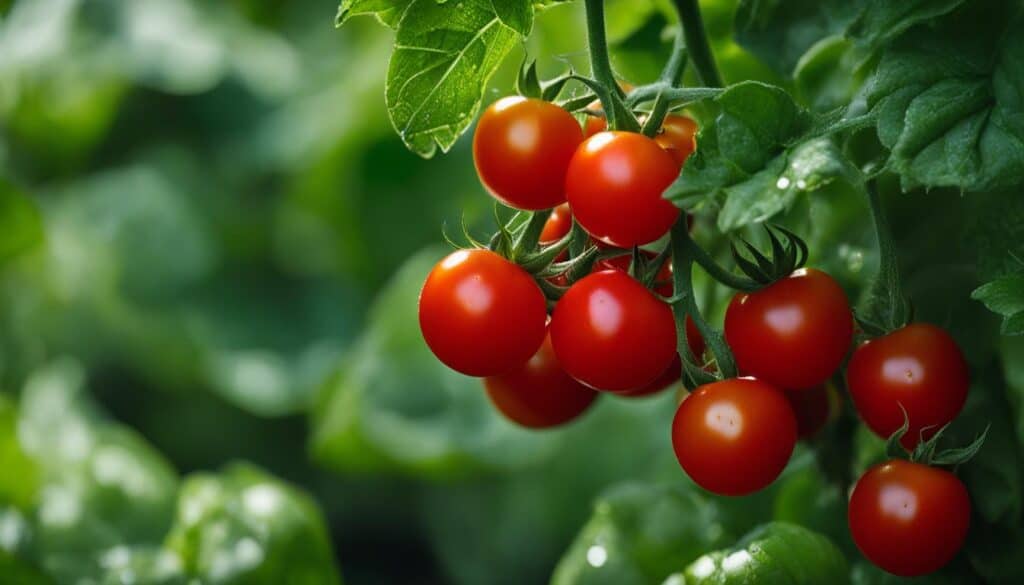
(888, 308)
(697, 42)
(717, 271)
(683, 257)
(619, 116)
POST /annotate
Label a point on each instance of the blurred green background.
(211, 242)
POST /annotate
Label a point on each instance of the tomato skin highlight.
(734, 437)
(919, 367)
(480, 314)
(611, 333)
(539, 394)
(614, 186)
(678, 136)
(908, 518)
(793, 333)
(522, 149)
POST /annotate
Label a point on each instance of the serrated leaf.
(881, 21)
(948, 101)
(444, 56)
(779, 32)
(1005, 296)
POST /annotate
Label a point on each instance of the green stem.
(530, 236)
(890, 309)
(672, 74)
(697, 42)
(679, 96)
(717, 271)
(657, 116)
(686, 305)
(619, 117)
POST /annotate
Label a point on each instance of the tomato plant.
(614, 186)
(793, 333)
(480, 314)
(917, 374)
(522, 149)
(539, 394)
(734, 437)
(612, 334)
(908, 518)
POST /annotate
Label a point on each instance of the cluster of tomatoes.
(611, 332)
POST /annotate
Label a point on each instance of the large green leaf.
(641, 534)
(242, 526)
(948, 101)
(778, 553)
(444, 56)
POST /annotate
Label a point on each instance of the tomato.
(735, 436)
(593, 125)
(919, 367)
(793, 333)
(673, 375)
(558, 225)
(615, 184)
(522, 149)
(908, 518)
(812, 409)
(538, 393)
(611, 333)
(678, 136)
(481, 314)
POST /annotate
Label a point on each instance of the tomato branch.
(697, 42)
(685, 303)
(619, 116)
(887, 308)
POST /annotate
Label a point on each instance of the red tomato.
(557, 226)
(611, 333)
(522, 149)
(793, 333)
(919, 367)
(594, 124)
(735, 436)
(908, 518)
(481, 314)
(812, 409)
(539, 394)
(678, 136)
(615, 184)
(674, 374)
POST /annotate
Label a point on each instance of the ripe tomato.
(522, 149)
(812, 409)
(673, 375)
(611, 333)
(793, 333)
(919, 367)
(594, 124)
(735, 436)
(481, 314)
(557, 226)
(678, 136)
(615, 184)
(538, 393)
(908, 518)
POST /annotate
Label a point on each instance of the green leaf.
(640, 534)
(21, 226)
(388, 12)
(444, 55)
(806, 168)
(1005, 296)
(779, 32)
(827, 76)
(881, 21)
(778, 553)
(948, 101)
(419, 417)
(244, 526)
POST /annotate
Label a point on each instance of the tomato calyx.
(529, 84)
(927, 450)
(788, 253)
